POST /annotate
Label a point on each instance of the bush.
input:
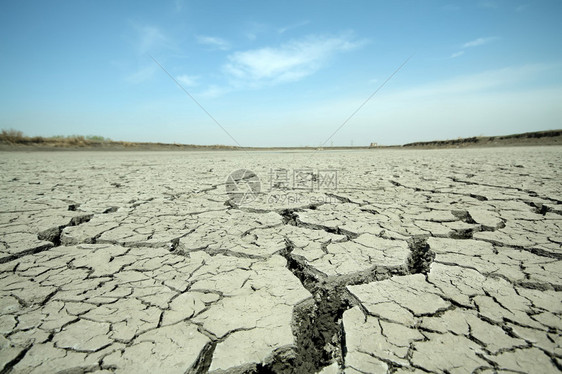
(12, 136)
(17, 137)
(36, 139)
(97, 138)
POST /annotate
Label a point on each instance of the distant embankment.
(13, 140)
(550, 137)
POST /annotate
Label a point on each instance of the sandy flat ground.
(372, 261)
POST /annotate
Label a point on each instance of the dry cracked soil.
(372, 261)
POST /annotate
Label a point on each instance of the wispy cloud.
(474, 43)
(213, 42)
(284, 29)
(481, 82)
(254, 29)
(146, 39)
(492, 92)
(149, 38)
(188, 80)
(479, 42)
(457, 54)
(214, 91)
(141, 74)
(289, 62)
(488, 5)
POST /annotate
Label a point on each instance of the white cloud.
(254, 29)
(284, 29)
(146, 39)
(481, 82)
(474, 43)
(187, 80)
(479, 42)
(498, 101)
(213, 42)
(150, 38)
(142, 74)
(214, 91)
(289, 62)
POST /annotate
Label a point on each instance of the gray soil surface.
(367, 261)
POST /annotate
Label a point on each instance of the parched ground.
(373, 261)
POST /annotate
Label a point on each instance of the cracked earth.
(444, 261)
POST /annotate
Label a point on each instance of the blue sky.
(280, 73)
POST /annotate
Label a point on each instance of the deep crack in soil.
(317, 322)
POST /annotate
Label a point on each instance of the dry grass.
(15, 140)
(12, 136)
(549, 137)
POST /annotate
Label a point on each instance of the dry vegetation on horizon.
(548, 137)
(14, 139)
(12, 136)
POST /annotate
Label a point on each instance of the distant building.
(373, 145)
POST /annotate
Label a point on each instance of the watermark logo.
(243, 186)
(303, 179)
(297, 186)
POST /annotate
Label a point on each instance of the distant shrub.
(12, 136)
(97, 138)
(36, 139)
(76, 140)
(17, 137)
